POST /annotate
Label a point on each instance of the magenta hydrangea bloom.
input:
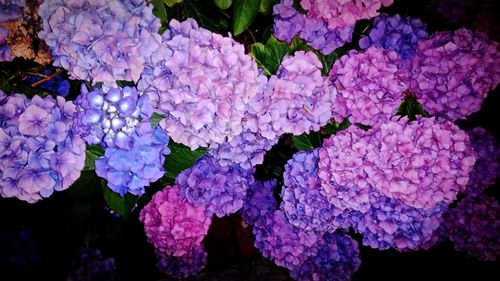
(283, 243)
(370, 85)
(202, 82)
(297, 99)
(341, 13)
(303, 204)
(474, 227)
(221, 189)
(182, 266)
(487, 166)
(39, 153)
(173, 225)
(337, 260)
(102, 41)
(452, 72)
(5, 54)
(395, 33)
(259, 201)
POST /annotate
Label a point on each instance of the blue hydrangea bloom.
(259, 201)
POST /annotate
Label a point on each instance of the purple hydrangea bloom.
(297, 99)
(92, 265)
(173, 225)
(283, 243)
(38, 151)
(109, 116)
(337, 260)
(341, 13)
(57, 84)
(132, 168)
(203, 83)
(288, 22)
(102, 41)
(5, 54)
(221, 189)
(246, 149)
(303, 204)
(259, 201)
(370, 85)
(11, 10)
(487, 166)
(452, 72)
(182, 266)
(474, 227)
(395, 33)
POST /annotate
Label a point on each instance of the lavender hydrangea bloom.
(102, 41)
(221, 189)
(370, 85)
(246, 149)
(395, 33)
(341, 13)
(337, 260)
(38, 151)
(203, 82)
(473, 226)
(182, 266)
(303, 204)
(288, 22)
(259, 201)
(297, 99)
(173, 225)
(131, 169)
(109, 116)
(283, 243)
(5, 54)
(487, 166)
(452, 72)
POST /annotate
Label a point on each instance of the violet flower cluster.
(92, 265)
(297, 99)
(473, 226)
(370, 85)
(395, 33)
(283, 243)
(259, 201)
(202, 82)
(303, 204)
(173, 225)
(341, 13)
(39, 153)
(452, 72)
(220, 189)
(5, 54)
(182, 266)
(337, 260)
(102, 41)
(11, 10)
(289, 22)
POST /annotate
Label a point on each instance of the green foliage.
(121, 205)
(307, 141)
(92, 153)
(223, 4)
(269, 56)
(161, 13)
(206, 14)
(171, 3)
(244, 14)
(334, 127)
(180, 158)
(411, 107)
(156, 119)
(266, 6)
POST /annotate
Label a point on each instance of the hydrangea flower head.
(259, 201)
(173, 225)
(182, 266)
(39, 153)
(5, 54)
(452, 72)
(92, 265)
(288, 22)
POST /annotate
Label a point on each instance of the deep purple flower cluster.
(395, 33)
(370, 85)
(5, 54)
(102, 41)
(452, 72)
(283, 243)
(289, 22)
(11, 9)
(38, 151)
(57, 84)
(130, 169)
(92, 265)
(341, 13)
(297, 99)
(303, 204)
(259, 201)
(109, 117)
(221, 189)
(173, 225)
(202, 82)
(473, 226)
(337, 260)
(182, 266)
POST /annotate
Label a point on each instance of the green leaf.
(84, 186)
(171, 3)
(411, 107)
(266, 6)
(334, 127)
(307, 141)
(327, 62)
(206, 14)
(156, 119)
(121, 205)
(298, 44)
(180, 158)
(160, 12)
(244, 14)
(223, 4)
(269, 56)
(92, 153)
